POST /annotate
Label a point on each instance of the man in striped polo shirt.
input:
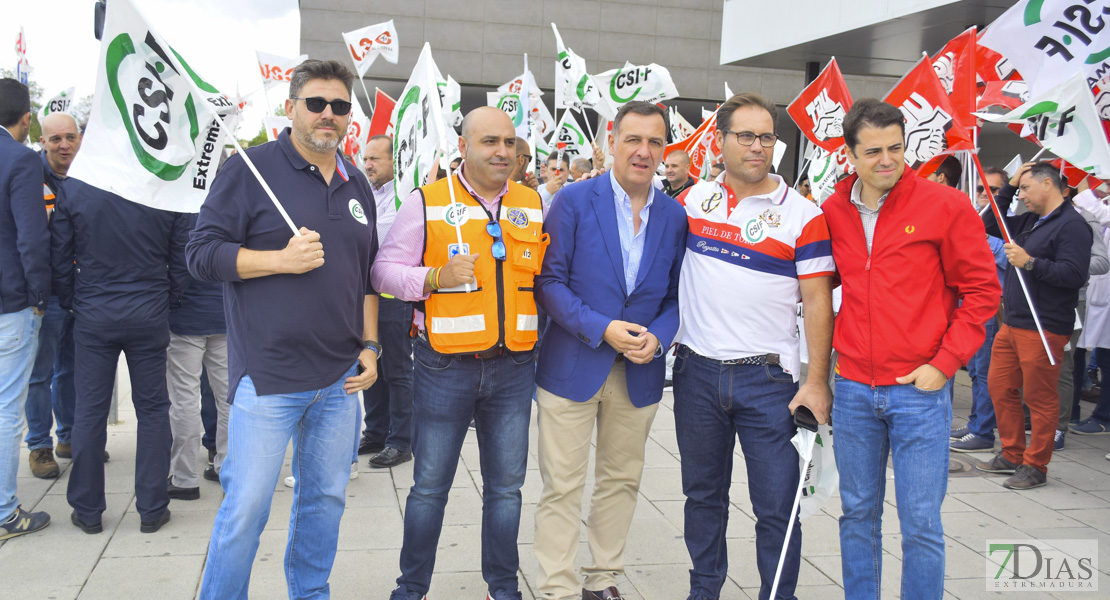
(755, 248)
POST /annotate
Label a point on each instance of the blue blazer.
(581, 287)
(24, 239)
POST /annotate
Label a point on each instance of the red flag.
(1075, 175)
(955, 68)
(1008, 94)
(383, 111)
(696, 145)
(932, 126)
(992, 66)
(819, 110)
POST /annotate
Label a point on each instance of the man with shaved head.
(467, 248)
(50, 395)
(678, 173)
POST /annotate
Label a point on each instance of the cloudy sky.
(218, 38)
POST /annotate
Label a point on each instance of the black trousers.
(97, 350)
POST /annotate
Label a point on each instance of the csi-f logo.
(1048, 115)
(357, 212)
(628, 79)
(456, 214)
(413, 118)
(365, 45)
(1042, 565)
(154, 104)
(511, 105)
(1070, 36)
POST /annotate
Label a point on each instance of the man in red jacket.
(918, 284)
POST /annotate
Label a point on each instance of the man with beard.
(302, 332)
(736, 372)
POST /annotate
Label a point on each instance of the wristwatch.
(373, 345)
(1028, 266)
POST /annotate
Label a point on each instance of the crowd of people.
(242, 336)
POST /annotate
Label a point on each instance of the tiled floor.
(61, 562)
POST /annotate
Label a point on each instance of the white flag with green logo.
(574, 87)
(58, 104)
(1049, 40)
(151, 137)
(568, 132)
(1065, 121)
(648, 83)
(419, 134)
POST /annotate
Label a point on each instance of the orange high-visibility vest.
(500, 308)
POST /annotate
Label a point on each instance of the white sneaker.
(354, 470)
(290, 481)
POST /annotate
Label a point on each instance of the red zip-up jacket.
(924, 292)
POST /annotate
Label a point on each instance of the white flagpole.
(793, 514)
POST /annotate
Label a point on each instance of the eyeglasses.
(747, 138)
(994, 190)
(316, 104)
(494, 229)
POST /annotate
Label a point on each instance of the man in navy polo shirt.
(302, 324)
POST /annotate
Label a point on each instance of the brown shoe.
(43, 464)
(1026, 478)
(66, 451)
(998, 464)
(609, 593)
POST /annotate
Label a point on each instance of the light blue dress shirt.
(632, 241)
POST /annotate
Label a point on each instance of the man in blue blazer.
(24, 289)
(609, 283)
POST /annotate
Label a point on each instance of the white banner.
(649, 83)
(151, 137)
(419, 130)
(277, 70)
(60, 103)
(367, 43)
(275, 125)
(574, 87)
(1065, 121)
(1047, 41)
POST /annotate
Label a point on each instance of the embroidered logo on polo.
(517, 217)
(771, 217)
(456, 214)
(711, 203)
(357, 212)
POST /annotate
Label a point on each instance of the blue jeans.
(259, 429)
(389, 401)
(449, 391)
(981, 421)
(912, 425)
(19, 338)
(714, 404)
(50, 394)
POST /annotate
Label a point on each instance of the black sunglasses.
(994, 190)
(316, 104)
(494, 229)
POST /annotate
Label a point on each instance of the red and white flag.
(819, 110)
(367, 43)
(383, 110)
(955, 68)
(932, 126)
(277, 70)
(701, 147)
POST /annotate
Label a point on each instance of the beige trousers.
(566, 428)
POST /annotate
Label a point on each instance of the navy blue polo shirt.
(290, 333)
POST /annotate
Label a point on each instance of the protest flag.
(820, 108)
(645, 83)
(574, 87)
(1064, 120)
(932, 125)
(1048, 41)
(154, 134)
(58, 104)
(380, 123)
